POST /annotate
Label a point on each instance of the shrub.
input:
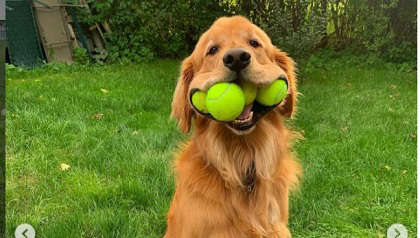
(148, 29)
(80, 56)
(143, 30)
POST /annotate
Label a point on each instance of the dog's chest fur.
(259, 210)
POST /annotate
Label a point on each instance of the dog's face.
(233, 50)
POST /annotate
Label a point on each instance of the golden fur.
(211, 198)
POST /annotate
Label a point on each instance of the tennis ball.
(225, 101)
(199, 101)
(250, 91)
(272, 94)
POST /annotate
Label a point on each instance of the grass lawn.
(111, 125)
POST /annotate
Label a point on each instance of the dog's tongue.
(245, 113)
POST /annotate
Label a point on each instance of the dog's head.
(233, 49)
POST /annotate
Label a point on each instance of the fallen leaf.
(104, 90)
(98, 116)
(64, 167)
(397, 94)
(344, 129)
(393, 86)
(390, 109)
(413, 136)
(380, 235)
(404, 171)
(387, 167)
(135, 133)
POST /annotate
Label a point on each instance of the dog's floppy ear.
(181, 109)
(288, 65)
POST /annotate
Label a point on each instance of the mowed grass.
(111, 125)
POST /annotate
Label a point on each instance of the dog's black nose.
(236, 59)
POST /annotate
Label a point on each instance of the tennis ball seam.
(222, 109)
(223, 94)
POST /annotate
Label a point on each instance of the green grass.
(359, 151)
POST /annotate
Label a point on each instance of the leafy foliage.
(80, 56)
(148, 29)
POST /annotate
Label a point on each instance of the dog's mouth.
(249, 116)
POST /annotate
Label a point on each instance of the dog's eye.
(213, 50)
(254, 43)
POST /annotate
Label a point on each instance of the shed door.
(54, 32)
(22, 35)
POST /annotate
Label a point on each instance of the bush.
(401, 53)
(143, 30)
(297, 33)
(80, 56)
(330, 60)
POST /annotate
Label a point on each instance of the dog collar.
(249, 180)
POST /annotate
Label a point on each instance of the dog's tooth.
(251, 115)
(248, 119)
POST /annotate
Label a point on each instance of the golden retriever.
(233, 179)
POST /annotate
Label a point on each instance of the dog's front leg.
(192, 216)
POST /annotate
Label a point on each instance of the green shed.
(23, 43)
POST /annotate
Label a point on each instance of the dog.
(233, 178)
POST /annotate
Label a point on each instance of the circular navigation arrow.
(25, 231)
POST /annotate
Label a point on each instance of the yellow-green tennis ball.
(272, 94)
(250, 91)
(225, 101)
(199, 101)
